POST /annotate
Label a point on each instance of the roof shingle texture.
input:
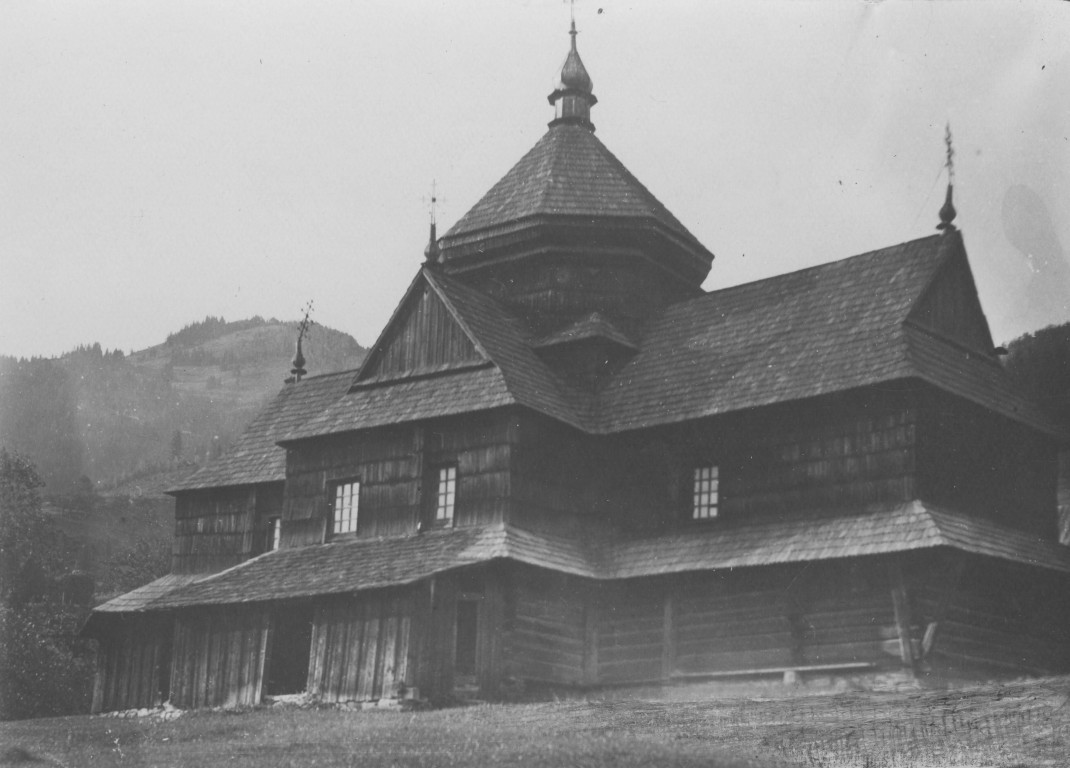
(568, 172)
(362, 564)
(256, 457)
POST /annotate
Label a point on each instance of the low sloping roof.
(361, 564)
(568, 172)
(145, 597)
(255, 457)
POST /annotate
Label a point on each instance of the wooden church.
(563, 465)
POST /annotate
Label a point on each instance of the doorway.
(290, 648)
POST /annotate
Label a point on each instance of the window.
(274, 533)
(704, 498)
(447, 494)
(346, 504)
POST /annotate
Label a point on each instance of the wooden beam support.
(590, 637)
(668, 637)
(951, 580)
(901, 603)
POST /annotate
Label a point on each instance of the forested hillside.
(139, 420)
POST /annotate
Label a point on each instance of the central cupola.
(569, 233)
(573, 95)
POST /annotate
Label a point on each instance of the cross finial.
(950, 163)
(947, 211)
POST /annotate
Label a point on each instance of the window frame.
(443, 506)
(706, 499)
(350, 523)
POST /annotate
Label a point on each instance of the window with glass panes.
(346, 504)
(274, 532)
(704, 499)
(447, 493)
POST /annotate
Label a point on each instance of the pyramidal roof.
(569, 172)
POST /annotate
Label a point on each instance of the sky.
(161, 162)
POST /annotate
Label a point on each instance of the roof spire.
(573, 95)
(298, 362)
(947, 211)
(432, 252)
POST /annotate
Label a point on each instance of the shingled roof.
(362, 564)
(512, 375)
(255, 457)
(827, 329)
(568, 172)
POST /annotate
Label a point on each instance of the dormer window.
(446, 494)
(705, 493)
(346, 506)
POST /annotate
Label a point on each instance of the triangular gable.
(950, 308)
(425, 335)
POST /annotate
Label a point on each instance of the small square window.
(346, 505)
(705, 493)
(446, 495)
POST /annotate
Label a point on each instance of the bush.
(45, 670)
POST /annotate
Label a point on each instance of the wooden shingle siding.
(219, 657)
(361, 647)
(392, 467)
(546, 627)
(424, 337)
(215, 529)
(972, 459)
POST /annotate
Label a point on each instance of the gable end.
(949, 307)
(423, 337)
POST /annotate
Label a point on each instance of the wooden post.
(951, 580)
(901, 604)
(668, 637)
(590, 637)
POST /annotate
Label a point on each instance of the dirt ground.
(1012, 724)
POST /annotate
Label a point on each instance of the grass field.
(1017, 724)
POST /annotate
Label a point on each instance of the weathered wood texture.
(1063, 496)
(545, 627)
(950, 308)
(976, 461)
(394, 468)
(815, 457)
(362, 647)
(425, 337)
(564, 282)
(219, 657)
(630, 632)
(1000, 617)
(213, 529)
(133, 662)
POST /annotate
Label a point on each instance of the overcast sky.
(164, 161)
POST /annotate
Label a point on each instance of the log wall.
(363, 647)
(994, 617)
(546, 627)
(219, 656)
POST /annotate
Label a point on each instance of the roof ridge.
(812, 268)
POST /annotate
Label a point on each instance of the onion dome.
(573, 95)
